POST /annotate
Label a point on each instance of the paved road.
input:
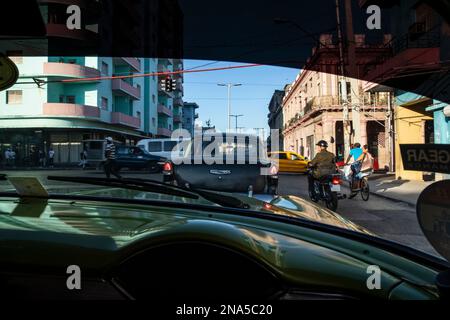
(389, 219)
(392, 220)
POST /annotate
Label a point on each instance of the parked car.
(290, 161)
(159, 147)
(132, 158)
(216, 172)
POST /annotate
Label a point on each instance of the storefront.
(32, 143)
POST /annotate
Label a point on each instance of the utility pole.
(353, 72)
(236, 116)
(229, 85)
(258, 132)
(343, 83)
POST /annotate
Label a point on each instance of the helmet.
(322, 143)
(109, 139)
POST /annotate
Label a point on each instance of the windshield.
(338, 117)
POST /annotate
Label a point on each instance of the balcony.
(131, 62)
(196, 116)
(70, 70)
(163, 110)
(416, 52)
(164, 132)
(125, 120)
(178, 102)
(70, 110)
(163, 68)
(122, 87)
(176, 119)
(59, 30)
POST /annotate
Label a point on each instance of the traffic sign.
(426, 157)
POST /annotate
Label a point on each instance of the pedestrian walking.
(51, 156)
(7, 157)
(110, 165)
(83, 159)
(12, 158)
(41, 155)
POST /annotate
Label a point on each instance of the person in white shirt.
(8, 157)
(51, 156)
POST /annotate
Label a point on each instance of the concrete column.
(363, 132)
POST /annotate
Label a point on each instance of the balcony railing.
(132, 62)
(164, 110)
(60, 31)
(164, 132)
(178, 102)
(69, 70)
(126, 120)
(124, 88)
(177, 118)
(70, 110)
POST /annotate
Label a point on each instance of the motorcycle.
(326, 189)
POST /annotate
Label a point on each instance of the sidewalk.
(387, 186)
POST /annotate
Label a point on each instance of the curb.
(413, 205)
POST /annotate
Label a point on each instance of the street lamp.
(229, 85)
(236, 116)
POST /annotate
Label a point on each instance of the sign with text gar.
(426, 157)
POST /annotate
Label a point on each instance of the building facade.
(414, 60)
(275, 116)
(189, 116)
(50, 107)
(313, 107)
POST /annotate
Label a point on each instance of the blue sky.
(251, 99)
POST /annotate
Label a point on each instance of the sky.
(251, 99)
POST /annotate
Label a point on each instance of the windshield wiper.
(147, 185)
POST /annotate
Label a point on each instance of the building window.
(14, 96)
(153, 122)
(70, 99)
(105, 69)
(15, 56)
(61, 99)
(138, 115)
(153, 98)
(104, 103)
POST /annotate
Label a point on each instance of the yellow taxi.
(290, 161)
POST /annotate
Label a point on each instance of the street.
(389, 219)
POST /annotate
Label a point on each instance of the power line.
(81, 80)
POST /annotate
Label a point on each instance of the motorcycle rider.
(323, 164)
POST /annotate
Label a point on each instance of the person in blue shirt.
(355, 153)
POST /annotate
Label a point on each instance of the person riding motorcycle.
(323, 164)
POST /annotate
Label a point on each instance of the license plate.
(336, 187)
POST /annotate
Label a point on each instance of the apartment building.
(48, 109)
(189, 116)
(313, 107)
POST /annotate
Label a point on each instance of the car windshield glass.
(340, 116)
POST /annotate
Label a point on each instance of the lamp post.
(229, 85)
(236, 116)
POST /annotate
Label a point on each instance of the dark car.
(240, 165)
(137, 158)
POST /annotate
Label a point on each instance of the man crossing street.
(110, 155)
